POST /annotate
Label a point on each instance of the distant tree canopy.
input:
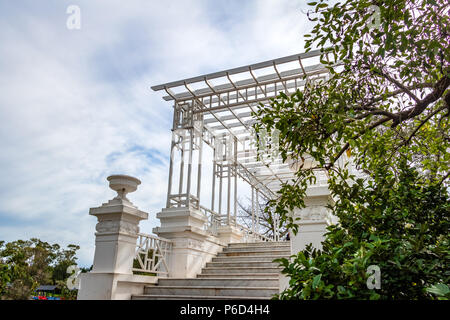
(24, 265)
(386, 106)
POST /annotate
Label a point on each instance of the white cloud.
(76, 105)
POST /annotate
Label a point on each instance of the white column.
(313, 222)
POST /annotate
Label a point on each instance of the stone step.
(220, 270)
(181, 297)
(217, 280)
(232, 276)
(254, 253)
(266, 244)
(261, 258)
(257, 249)
(212, 291)
(276, 245)
(254, 263)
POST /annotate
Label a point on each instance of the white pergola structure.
(215, 110)
(210, 111)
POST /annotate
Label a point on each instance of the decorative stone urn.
(123, 185)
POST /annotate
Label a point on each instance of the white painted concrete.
(314, 219)
(117, 229)
(193, 246)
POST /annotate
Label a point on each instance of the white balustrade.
(215, 220)
(152, 254)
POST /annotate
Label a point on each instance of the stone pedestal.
(193, 246)
(230, 234)
(115, 239)
(314, 219)
(312, 226)
(115, 246)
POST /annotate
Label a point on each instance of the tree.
(385, 106)
(64, 259)
(4, 274)
(24, 265)
(398, 224)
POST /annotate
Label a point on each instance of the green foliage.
(385, 111)
(64, 259)
(400, 225)
(24, 265)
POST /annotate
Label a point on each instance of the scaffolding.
(215, 110)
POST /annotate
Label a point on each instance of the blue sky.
(76, 105)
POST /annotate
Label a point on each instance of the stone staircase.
(240, 271)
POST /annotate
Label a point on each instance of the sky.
(76, 104)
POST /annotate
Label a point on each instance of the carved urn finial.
(123, 184)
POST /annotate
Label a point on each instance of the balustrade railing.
(215, 220)
(252, 236)
(152, 254)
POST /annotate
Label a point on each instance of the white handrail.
(215, 220)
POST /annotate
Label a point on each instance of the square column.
(314, 219)
(312, 225)
(193, 245)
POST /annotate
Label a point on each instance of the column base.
(112, 286)
(230, 234)
(193, 246)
